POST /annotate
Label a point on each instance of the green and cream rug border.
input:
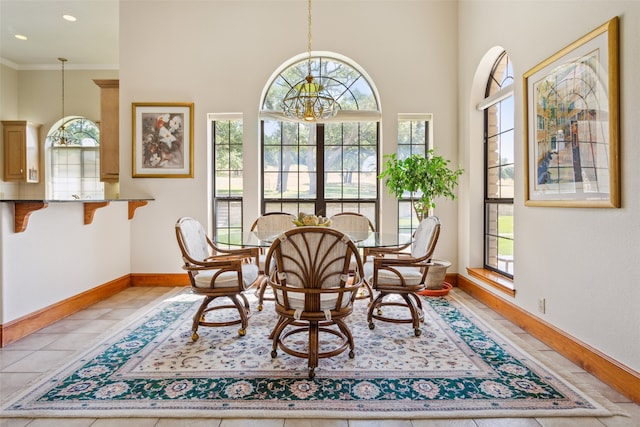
(601, 406)
(575, 382)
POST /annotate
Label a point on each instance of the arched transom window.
(346, 84)
(322, 168)
(74, 160)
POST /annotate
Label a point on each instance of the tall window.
(74, 161)
(227, 160)
(322, 168)
(499, 168)
(414, 137)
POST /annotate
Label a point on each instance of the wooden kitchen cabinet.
(21, 151)
(109, 129)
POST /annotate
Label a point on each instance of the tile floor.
(28, 358)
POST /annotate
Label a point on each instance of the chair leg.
(347, 332)
(277, 331)
(275, 328)
(313, 348)
(369, 290)
(418, 302)
(411, 301)
(247, 306)
(262, 287)
(243, 310)
(197, 318)
(415, 315)
(374, 305)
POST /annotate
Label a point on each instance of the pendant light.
(308, 100)
(60, 136)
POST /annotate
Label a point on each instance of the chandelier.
(61, 136)
(308, 100)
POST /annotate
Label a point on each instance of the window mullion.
(321, 205)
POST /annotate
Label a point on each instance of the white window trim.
(503, 93)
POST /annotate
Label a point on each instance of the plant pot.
(446, 287)
(437, 273)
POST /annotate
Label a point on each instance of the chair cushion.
(423, 237)
(229, 278)
(327, 301)
(412, 275)
(195, 239)
(350, 223)
(276, 223)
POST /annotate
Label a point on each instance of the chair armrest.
(406, 261)
(214, 263)
(246, 252)
(396, 250)
(249, 254)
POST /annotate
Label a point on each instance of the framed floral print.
(571, 105)
(162, 140)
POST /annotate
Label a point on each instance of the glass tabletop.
(362, 240)
(376, 239)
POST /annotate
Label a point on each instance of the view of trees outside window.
(413, 138)
(74, 160)
(499, 172)
(321, 168)
(227, 161)
(343, 178)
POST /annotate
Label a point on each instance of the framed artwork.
(162, 140)
(571, 106)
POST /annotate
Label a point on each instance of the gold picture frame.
(571, 107)
(162, 139)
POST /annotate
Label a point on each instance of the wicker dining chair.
(357, 226)
(275, 222)
(216, 273)
(314, 291)
(394, 273)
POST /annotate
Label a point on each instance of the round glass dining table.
(370, 239)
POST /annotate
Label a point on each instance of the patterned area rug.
(458, 367)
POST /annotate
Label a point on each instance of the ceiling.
(89, 43)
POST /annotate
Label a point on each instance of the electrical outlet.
(542, 305)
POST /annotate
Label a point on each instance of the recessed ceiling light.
(69, 18)
(20, 37)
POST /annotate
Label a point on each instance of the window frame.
(217, 200)
(359, 103)
(492, 98)
(72, 186)
(405, 201)
(319, 203)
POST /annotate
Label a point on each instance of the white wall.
(57, 256)
(8, 111)
(220, 55)
(584, 262)
(8, 93)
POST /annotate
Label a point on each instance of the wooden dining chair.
(352, 221)
(357, 226)
(275, 222)
(396, 274)
(314, 291)
(216, 273)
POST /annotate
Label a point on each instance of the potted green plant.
(425, 178)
